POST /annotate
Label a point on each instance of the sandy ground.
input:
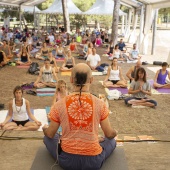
(19, 154)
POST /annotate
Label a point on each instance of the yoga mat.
(23, 67)
(122, 90)
(159, 90)
(40, 115)
(97, 73)
(34, 51)
(44, 161)
(3, 114)
(46, 92)
(66, 73)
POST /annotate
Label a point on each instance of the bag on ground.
(34, 67)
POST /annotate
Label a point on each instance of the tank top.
(19, 113)
(114, 74)
(24, 58)
(111, 49)
(162, 77)
(69, 61)
(72, 47)
(47, 75)
(117, 54)
(60, 51)
(45, 52)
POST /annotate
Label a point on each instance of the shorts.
(45, 57)
(21, 122)
(114, 81)
(69, 66)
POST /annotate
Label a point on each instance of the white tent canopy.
(30, 9)
(56, 8)
(102, 7)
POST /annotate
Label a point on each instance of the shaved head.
(139, 63)
(81, 73)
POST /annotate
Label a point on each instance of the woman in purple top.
(160, 77)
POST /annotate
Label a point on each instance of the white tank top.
(117, 54)
(47, 75)
(19, 113)
(114, 74)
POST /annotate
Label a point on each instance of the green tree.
(45, 4)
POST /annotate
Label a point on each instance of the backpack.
(34, 67)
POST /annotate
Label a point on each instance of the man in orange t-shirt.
(79, 114)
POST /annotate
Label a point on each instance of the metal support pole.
(141, 25)
(154, 31)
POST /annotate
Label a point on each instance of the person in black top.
(3, 60)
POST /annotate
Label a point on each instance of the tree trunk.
(66, 16)
(115, 21)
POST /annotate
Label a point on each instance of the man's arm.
(109, 132)
(39, 77)
(51, 130)
(55, 75)
(128, 74)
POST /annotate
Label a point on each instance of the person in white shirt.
(134, 53)
(93, 61)
(51, 37)
(19, 112)
(10, 35)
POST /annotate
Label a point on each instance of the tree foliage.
(45, 4)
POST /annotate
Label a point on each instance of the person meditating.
(69, 62)
(60, 51)
(3, 59)
(19, 112)
(6, 49)
(132, 71)
(93, 61)
(160, 77)
(79, 114)
(139, 89)
(44, 52)
(47, 72)
(114, 77)
(24, 58)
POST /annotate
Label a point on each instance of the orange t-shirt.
(80, 123)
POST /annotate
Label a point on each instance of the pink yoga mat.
(23, 66)
(122, 90)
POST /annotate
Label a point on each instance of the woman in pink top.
(98, 41)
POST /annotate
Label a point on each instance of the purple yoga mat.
(160, 90)
(122, 90)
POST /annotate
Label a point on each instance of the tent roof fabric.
(56, 7)
(102, 7)
(30, 9)
(17, 3)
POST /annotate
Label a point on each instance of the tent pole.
(123, 25)
(141, 24)
(154, 31)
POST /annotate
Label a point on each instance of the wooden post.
(114, 35)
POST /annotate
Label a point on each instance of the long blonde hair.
(59, 83)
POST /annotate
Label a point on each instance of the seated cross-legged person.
(69, 62)
(132, 71)
(134, 54)
(24, 58)
(6, 49)
(93, 61)
(117, 54)
(44, 52)
(139, 89)
(47, 72)
(19, 112)
(114, 77)
(79, 114)
(160, 77)
(3, 59)
(60, 51)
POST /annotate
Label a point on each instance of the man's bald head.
(81, 73)
(139, 63)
